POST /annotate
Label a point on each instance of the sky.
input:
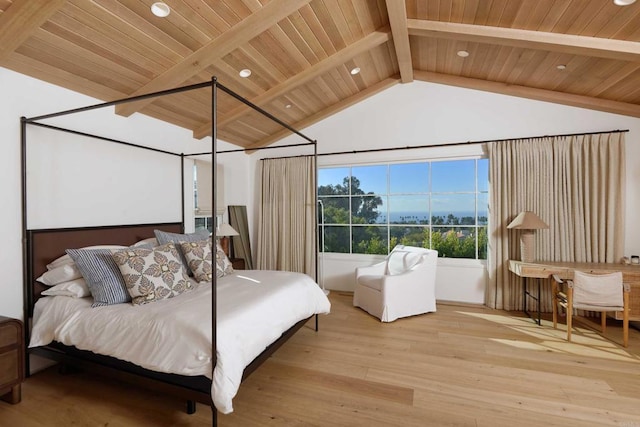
(442, 178)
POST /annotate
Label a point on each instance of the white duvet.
(254, 307)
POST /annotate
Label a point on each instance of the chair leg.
(554, 293)
(569, 313)
(625, 320)
(603, 321)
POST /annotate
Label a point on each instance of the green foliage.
(459, 242)
(364, 206)
(336, 239)
(333, 213)
(375, 245)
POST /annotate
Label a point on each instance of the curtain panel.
(287, 222)
(576, 184)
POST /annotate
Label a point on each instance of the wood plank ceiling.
(301, 53)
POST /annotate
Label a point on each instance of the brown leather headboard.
(43, 246)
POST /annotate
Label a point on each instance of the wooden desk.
(544, 270)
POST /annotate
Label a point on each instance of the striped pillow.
(102, 275)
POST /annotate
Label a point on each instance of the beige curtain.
(286, 229)
(573, 183)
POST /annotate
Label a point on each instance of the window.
(204, 223)
(433, 204)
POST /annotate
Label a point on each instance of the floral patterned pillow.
(222, 262)
(199, 259)
(152, 274)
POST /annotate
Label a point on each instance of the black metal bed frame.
(190, 388)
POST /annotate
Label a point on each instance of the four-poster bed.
(41, 246)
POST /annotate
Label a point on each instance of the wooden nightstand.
(11, 359)
(237, 263)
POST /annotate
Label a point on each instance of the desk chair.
(592, 292)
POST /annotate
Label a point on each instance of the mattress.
(254, 308)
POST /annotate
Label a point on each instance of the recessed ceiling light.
(287, 106)
(160, 9)
(624, 2)
(561, 66)
(355, 70)
(245, 73)
(463, 53)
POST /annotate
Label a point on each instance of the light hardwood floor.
(462, 366)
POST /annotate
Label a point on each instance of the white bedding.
(254, 308)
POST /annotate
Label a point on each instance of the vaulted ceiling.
(301, 54)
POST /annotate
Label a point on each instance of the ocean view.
(423, 217)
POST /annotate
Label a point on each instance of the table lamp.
(527, 222)
(223, 231)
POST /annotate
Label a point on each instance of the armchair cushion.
(401, 261)
(372, 282)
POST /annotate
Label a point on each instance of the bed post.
(182, 187)
(27, 296)
(214, 278)
(315, 214)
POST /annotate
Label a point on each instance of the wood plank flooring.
(460, 366)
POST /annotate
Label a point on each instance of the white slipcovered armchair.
(402, 285)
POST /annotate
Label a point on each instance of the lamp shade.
(226, 230)
(527, 220)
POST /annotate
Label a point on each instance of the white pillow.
(66, 259)
(74, 288)
(59, 262)
(395, 263)
(402, 261)
(61, 274)
(411, 259)
(151, 241)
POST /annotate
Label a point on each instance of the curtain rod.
(450, 144)
(289, 157)
(269, 147)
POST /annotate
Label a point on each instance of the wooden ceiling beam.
(21, 20)
(398, 21)
(321, 115)
(580, 101)
(564, 43)
(339, 58)
(241, 33)
(38, 70)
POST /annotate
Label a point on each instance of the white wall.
(421, 113)
(88, 182)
